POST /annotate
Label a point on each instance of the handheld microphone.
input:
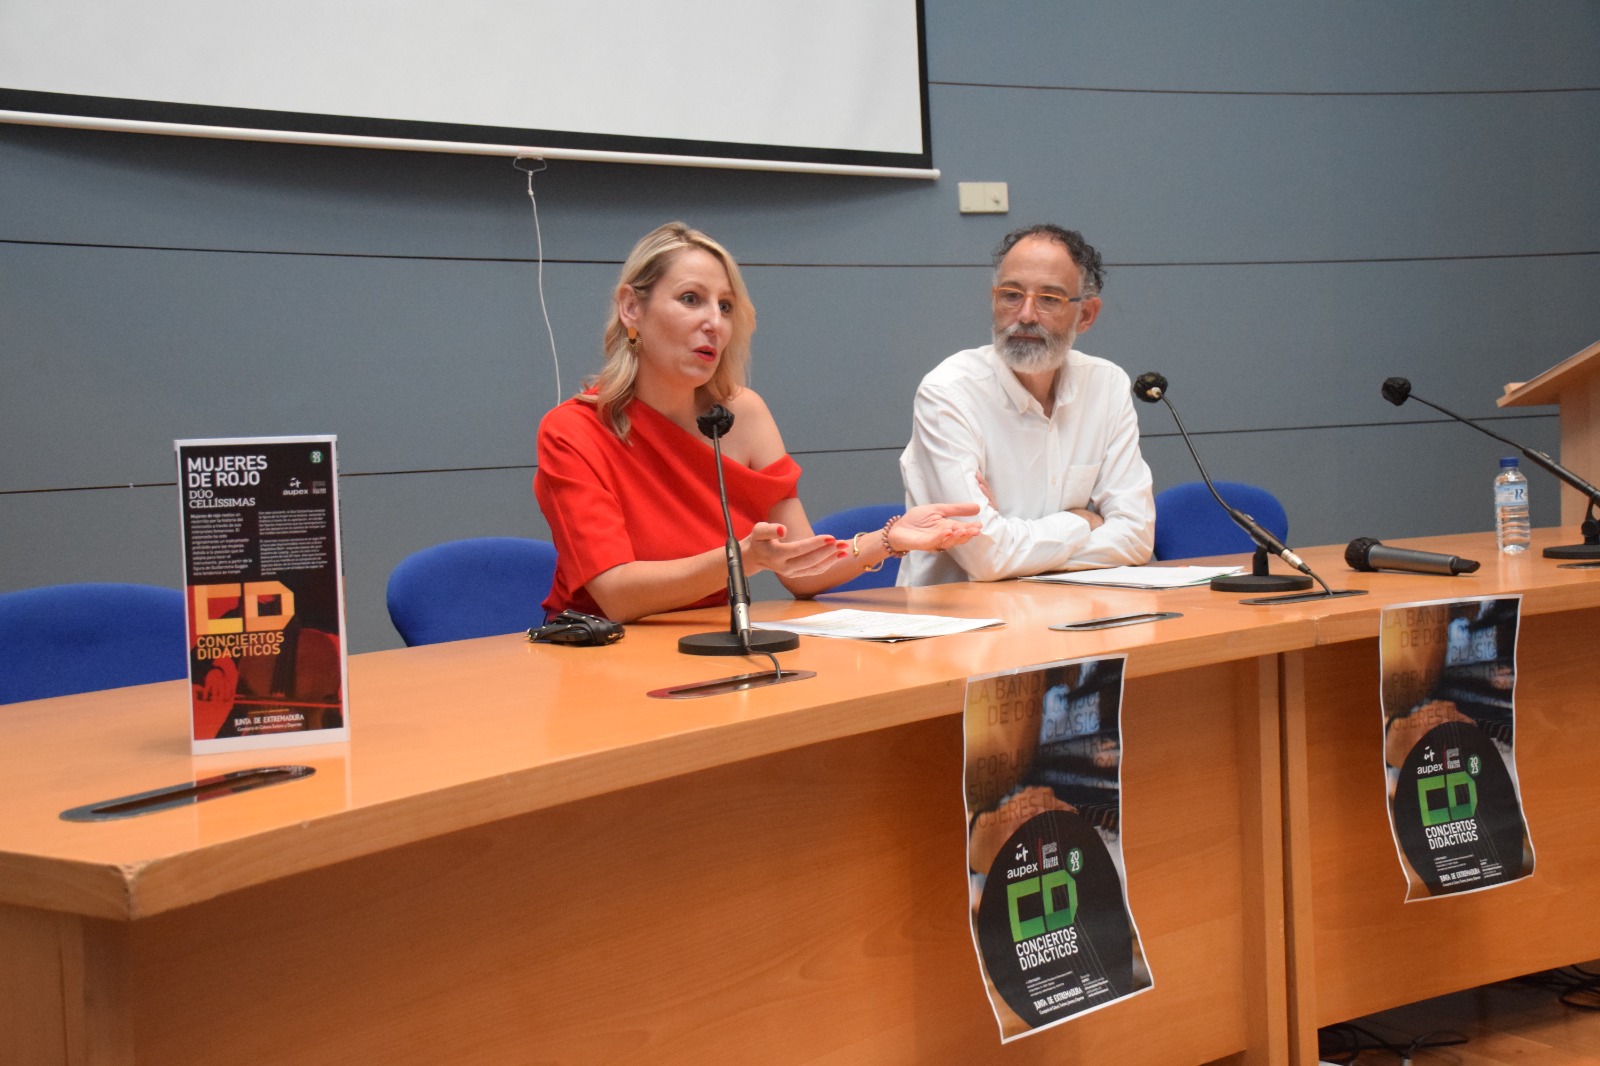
(1398, 390)
(1367, 554)
(1152, 388)
(739, 639)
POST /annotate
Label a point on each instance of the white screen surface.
(819, 82)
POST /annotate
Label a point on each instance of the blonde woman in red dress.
(625, 477)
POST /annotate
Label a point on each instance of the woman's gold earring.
(633, 337)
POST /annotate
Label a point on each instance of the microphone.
(715, 423)
(1152, 388)
(1367, 554)
(1398, 390)
(739, 639)
(1149, 386)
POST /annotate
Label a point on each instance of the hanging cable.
(538, 238)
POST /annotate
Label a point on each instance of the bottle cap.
(1510, 460)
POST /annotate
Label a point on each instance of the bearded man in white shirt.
(1043, 433)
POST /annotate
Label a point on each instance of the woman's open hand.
(933, 528)
(765, 549)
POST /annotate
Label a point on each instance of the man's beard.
(1047, 352)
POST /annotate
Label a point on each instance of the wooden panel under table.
(806, 903)
(1356, 945)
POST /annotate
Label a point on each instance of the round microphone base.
(1573, 551)
(1260, 583)
(755, 642)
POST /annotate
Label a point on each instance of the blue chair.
(480, 587)
(1189, 523)
(62, 639)
(846, 524)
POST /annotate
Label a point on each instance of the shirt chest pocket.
(1077, 485)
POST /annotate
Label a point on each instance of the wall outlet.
(983, 197)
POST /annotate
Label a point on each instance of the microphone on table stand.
(1152, 388)
(739, 639)
(1398, 390)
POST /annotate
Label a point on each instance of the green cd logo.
(1051, 926)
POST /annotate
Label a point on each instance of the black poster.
(1449, 674)
(265, 592)
(1049, 906)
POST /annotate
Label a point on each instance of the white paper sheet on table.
(1140, 577)
(878, 625)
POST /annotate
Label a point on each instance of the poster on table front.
(265, 590)
(1449, 678)
(1047, 890)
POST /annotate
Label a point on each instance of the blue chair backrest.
(480, 587)
(846, 524)
(62, 639)
(1189, 523)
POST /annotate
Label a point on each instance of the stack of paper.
(878, 625)
(1140, 577)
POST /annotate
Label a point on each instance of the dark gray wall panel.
(1180, 178)
(1267, 46)
(839, 351)
(57, 186)
(1164, 178)
(124, 534)
(421, 365)
(1269, 346)
(415, 364)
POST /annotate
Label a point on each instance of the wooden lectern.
(1574, 386)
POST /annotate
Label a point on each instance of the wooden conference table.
(520, 857)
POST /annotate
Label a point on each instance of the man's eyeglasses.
(1047, 304)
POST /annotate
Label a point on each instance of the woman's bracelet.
(886, 545)
(889, 552)
(855, 550)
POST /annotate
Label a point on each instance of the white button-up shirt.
(972, 416)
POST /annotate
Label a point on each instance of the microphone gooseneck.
(1398, 390)
(714, 423)
(740, 639)
(1151, 387)
(1402, 389)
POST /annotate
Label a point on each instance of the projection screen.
(832, 86)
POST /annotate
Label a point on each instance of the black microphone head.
(1396, 390)
(1149, 386)
(715, 422)
(1356, 552)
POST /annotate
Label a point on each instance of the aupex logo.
(1038, 902)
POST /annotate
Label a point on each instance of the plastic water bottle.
(1511, 528)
